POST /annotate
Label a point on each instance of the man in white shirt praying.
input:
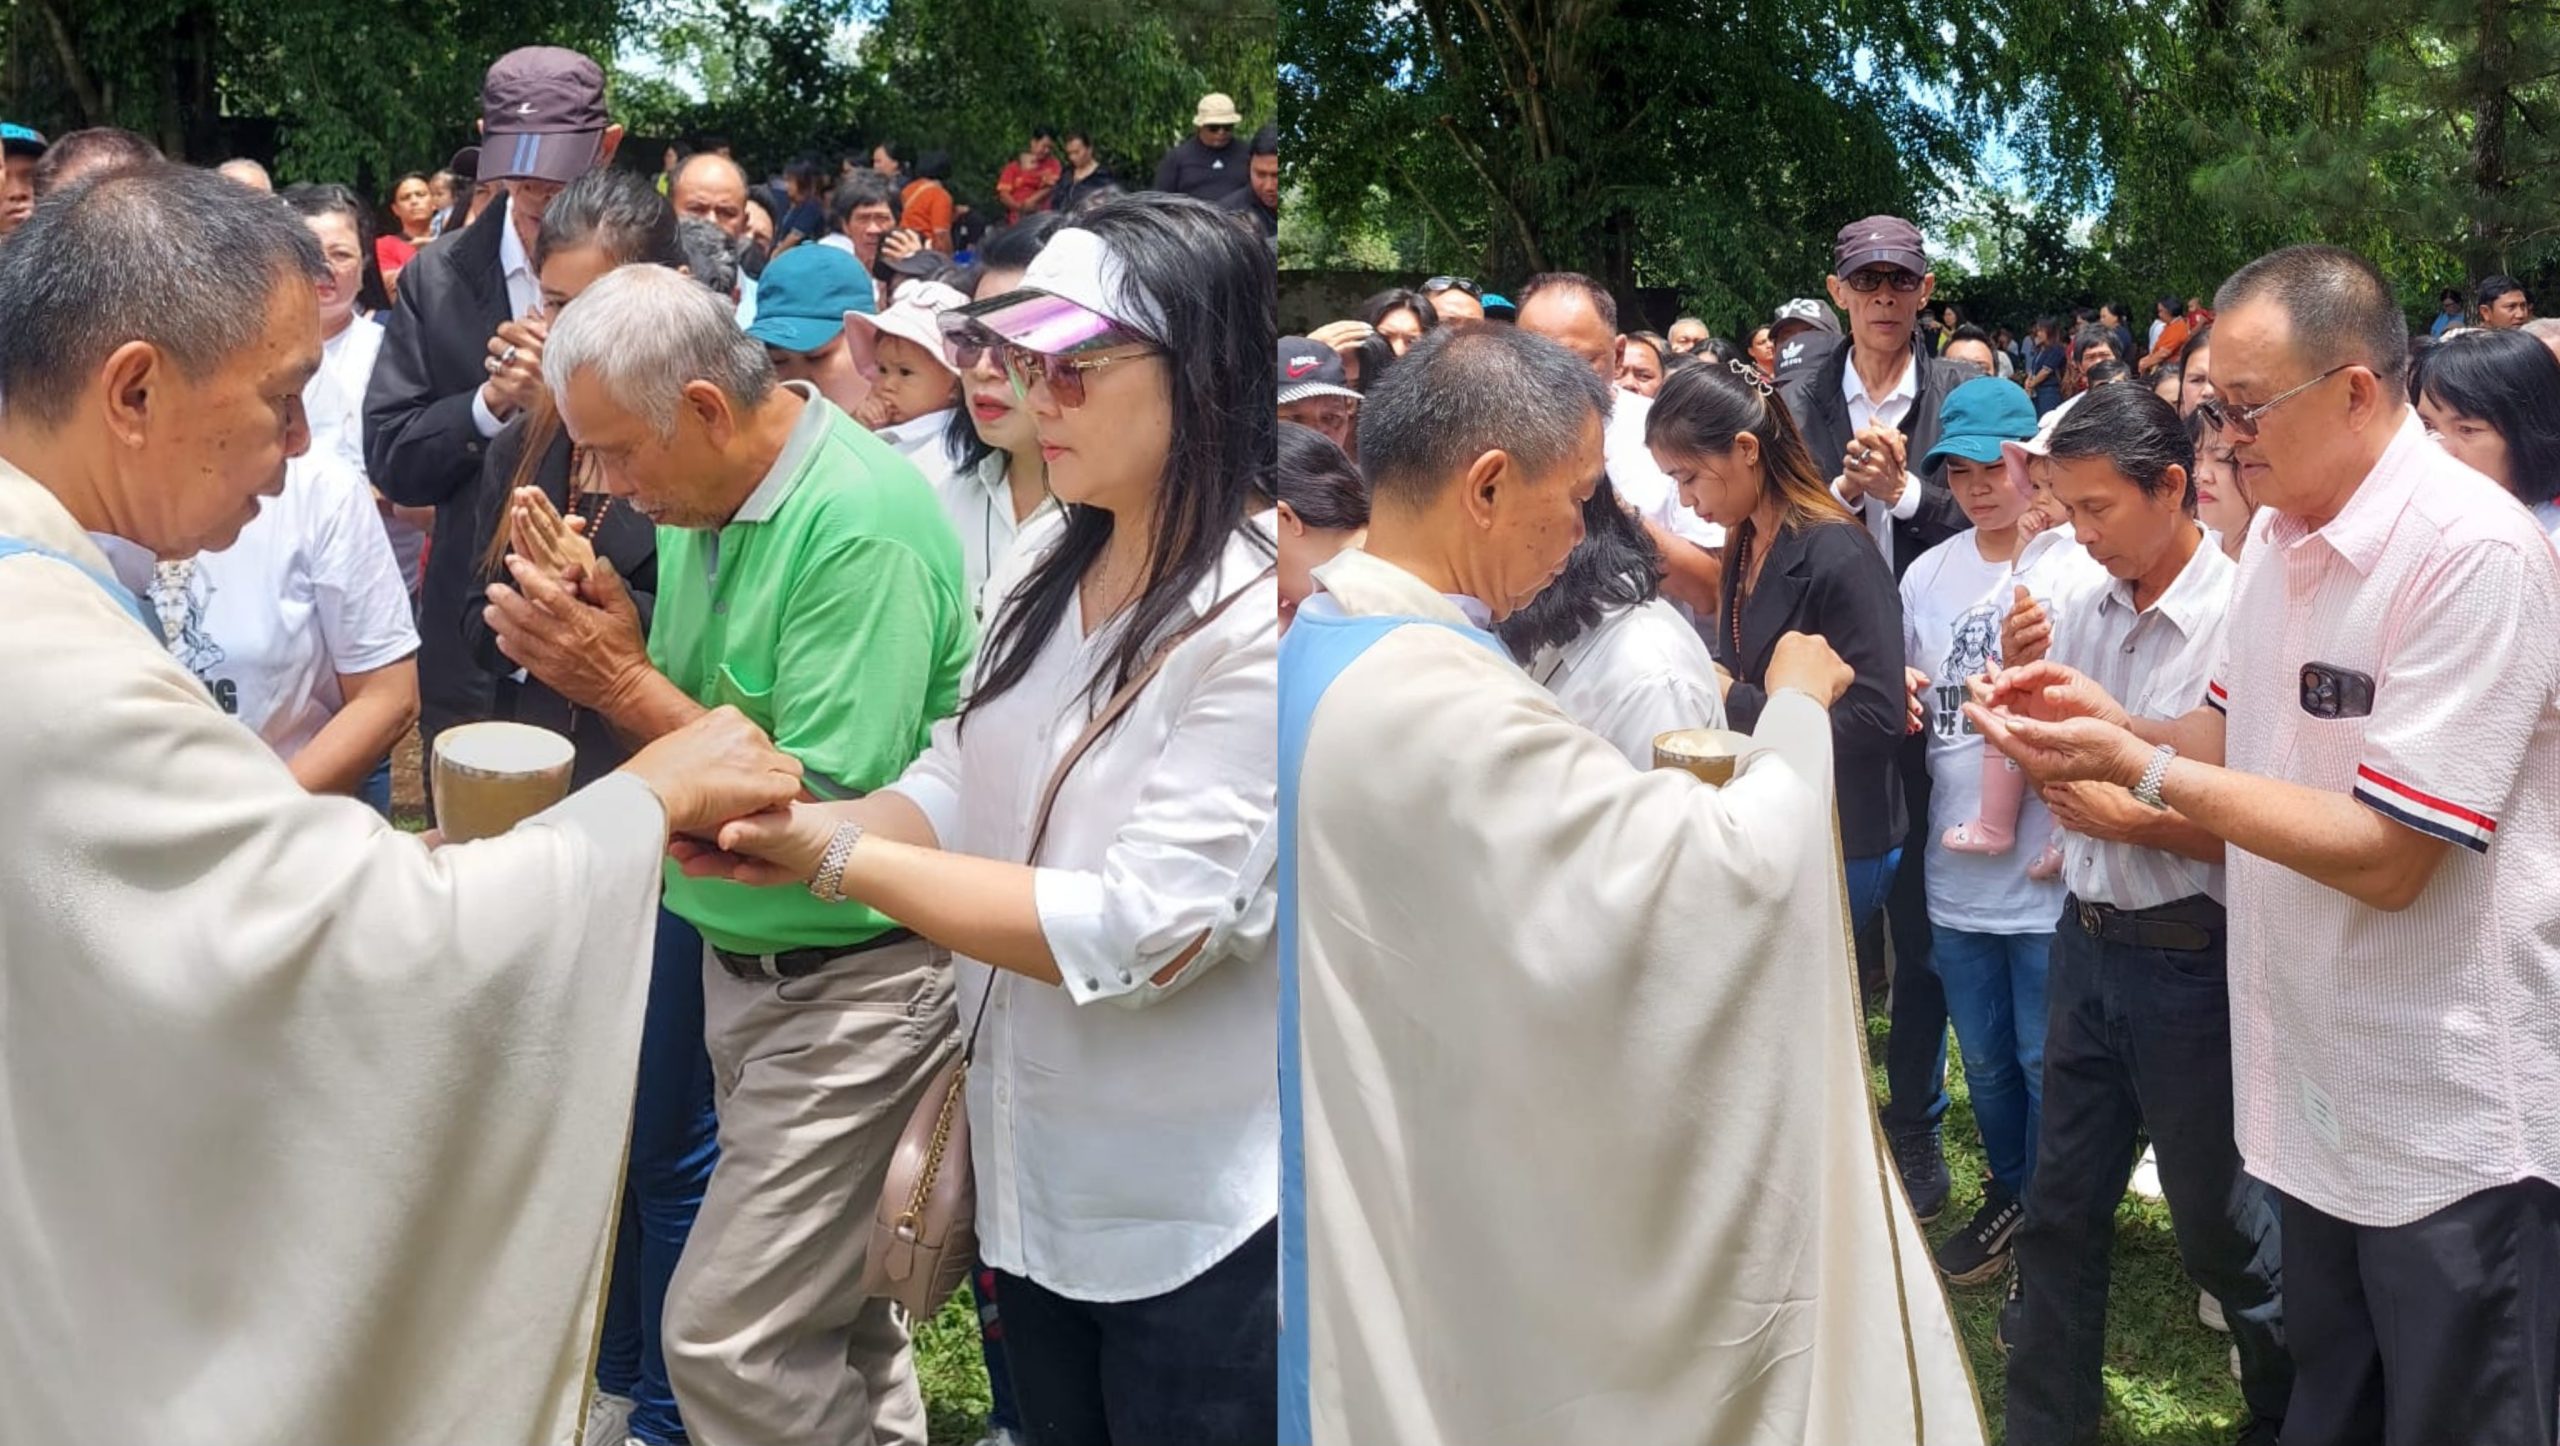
(313, 1134)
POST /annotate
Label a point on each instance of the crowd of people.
(955, 528)
(2192, 723)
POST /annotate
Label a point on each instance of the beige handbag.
(924, 1232)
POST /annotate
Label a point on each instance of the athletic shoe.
(1981, 1249)
(2209, 1311)
(1923, 1166)
(608, 1420)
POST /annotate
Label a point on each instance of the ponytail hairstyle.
(621, 213)
(1702, 409)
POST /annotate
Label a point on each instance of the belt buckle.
(2090, 918)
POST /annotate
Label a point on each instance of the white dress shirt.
(2156, 663)
(1863, 413)
(524, 298)
(1125, 1127)
(979, 502)
(1636, 674)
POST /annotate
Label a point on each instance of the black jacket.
(1064, 195)
(1830, 581)
(1814, 396)
(1246, 203)
(422, 450)
(627, 540)
(1193, 169)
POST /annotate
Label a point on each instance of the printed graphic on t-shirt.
(1975, 650)
(181, 594)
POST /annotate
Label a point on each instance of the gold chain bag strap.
(924, 1232)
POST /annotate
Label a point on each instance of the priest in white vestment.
(1577, 1140)
(309, 1136)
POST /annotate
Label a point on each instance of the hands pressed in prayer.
(550, 541)
(2026, 634)
(716, 768)
(579, 633)
(1875, 467)
(515, 366)
(2058, 726)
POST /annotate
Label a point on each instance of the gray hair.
(2342, 311)
(646, 331)
(1467, 390)
(708, 255)
(178, 257)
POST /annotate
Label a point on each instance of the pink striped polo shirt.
(2385, 1064)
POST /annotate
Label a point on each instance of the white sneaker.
(2146, 1175)
(608, 1421)
(2235, 1363)
(2209, 1310)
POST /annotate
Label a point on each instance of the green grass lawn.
(2168, 1378)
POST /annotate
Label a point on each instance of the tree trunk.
(2493, 65)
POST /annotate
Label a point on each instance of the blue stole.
(15, 546)
(1316, 650)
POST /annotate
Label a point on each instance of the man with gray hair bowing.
(806, 575)
(2380, 746)
(306, 1133)
(1519, 964)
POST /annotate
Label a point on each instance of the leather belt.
(2186, 925)
(801, 963)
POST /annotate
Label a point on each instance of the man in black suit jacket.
(462, 350)
(1881, 281)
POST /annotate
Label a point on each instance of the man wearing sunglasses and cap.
(1208, 165)
(462, 351)
(1455, 298)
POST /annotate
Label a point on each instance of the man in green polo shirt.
(806, 574)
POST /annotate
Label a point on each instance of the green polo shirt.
(833, 611)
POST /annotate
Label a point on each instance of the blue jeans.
(1868, 880)
(376, 789)
(2138, 1039)
(674, 1144)
(1995, 996)
(1915, 1042)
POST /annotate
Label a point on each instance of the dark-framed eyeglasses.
(2242, 422)
(1438, 284)
(1873, 277)
(1064, 375)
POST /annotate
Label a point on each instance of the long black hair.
(312, 199)
(1616, 565)
(1010, 249)
(2509, 380)
(1378, 307)
(1318, 483)
(1211, 283)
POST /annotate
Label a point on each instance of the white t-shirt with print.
(308, 592)
(1952, 604)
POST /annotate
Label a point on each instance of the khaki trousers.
(767, 1341)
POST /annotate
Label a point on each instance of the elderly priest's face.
(1525, 522)
(203, 449)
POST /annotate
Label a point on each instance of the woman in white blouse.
(1124, 1104)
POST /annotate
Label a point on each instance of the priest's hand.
(717, 767)
(1806, 663)
(585, 644)
(2064, 751)
(778, 846)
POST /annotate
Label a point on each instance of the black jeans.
(1196, 1366)
(1915, 1042)
(2137, 1037)
(2443, 1330)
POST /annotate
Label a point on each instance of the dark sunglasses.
(1438, 284)
(1873, 278)
(966, 343)
(1064, 375)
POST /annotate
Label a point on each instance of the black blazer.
(1815, 398)
(628, 540)
(1830, 581)
(422, 450)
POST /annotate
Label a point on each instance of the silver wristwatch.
(828, 882)
(2148, 790)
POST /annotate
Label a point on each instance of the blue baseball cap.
(1499, 308)
(18, 140)
(1979, 416)
(804, 294)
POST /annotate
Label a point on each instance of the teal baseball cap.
(802, 298)
(1980, 415)
(18, 140)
